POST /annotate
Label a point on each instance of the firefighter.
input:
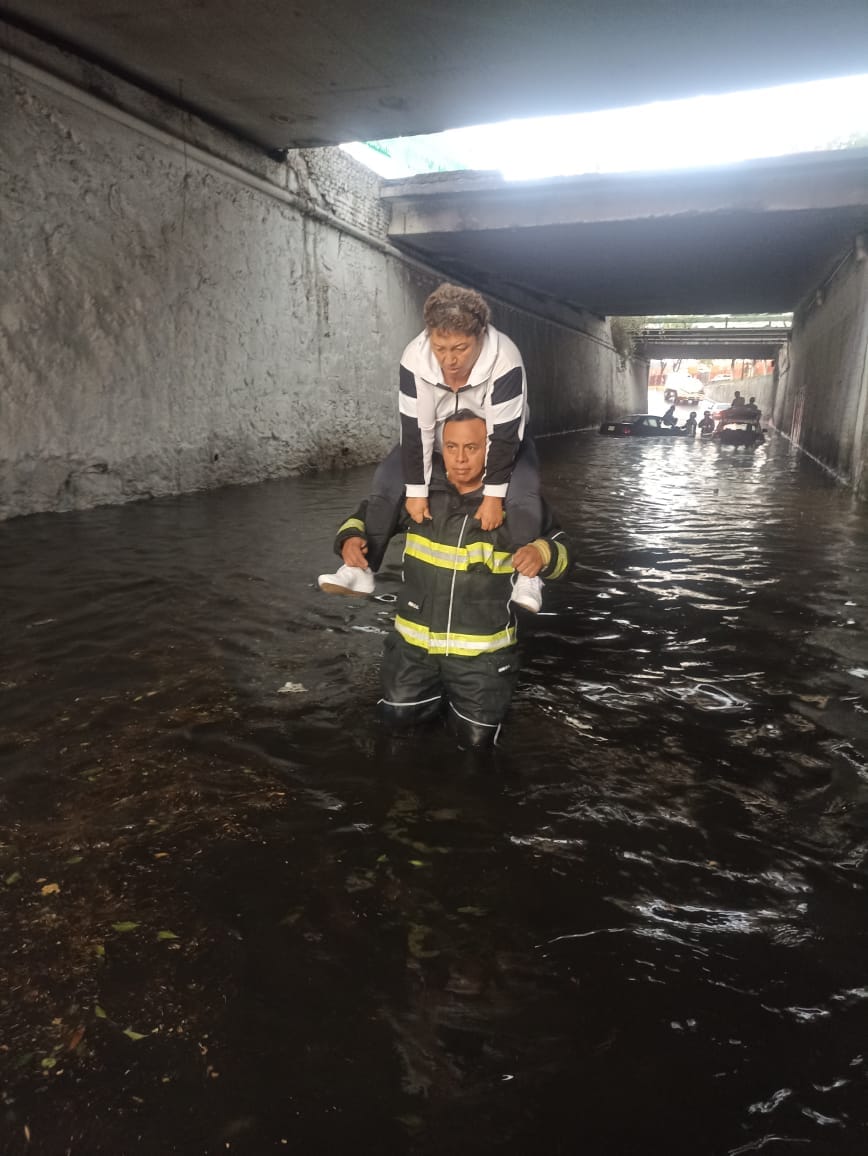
(455, 644)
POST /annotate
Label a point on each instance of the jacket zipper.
(452, 589)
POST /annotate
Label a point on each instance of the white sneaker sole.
(333, 588)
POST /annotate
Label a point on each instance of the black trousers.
(523, 505)
(476, 692)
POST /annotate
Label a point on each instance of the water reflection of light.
(688, 917)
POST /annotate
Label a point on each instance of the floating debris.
(292, 688)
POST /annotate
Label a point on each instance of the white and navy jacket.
(496, 390)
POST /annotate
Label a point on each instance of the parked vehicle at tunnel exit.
(683, 390)
(641, 425)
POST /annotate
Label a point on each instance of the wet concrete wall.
(823, 390)
(181, 312)
(762, 388)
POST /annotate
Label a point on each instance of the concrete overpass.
(742, 238)
(755, 344)
(308, 73)
(751, 237)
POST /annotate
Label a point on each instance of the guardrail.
(719, 321)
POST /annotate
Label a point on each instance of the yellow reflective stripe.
(545, 550)
(353, 524)
(458, 557)
(562, 560)
(412, 632)
(498, 561)
(474, 643)
(462, 645)
(431, 552)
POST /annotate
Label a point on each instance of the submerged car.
(640, 425)
(740, 426)
(741, 433)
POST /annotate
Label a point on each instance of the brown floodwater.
(238, 917)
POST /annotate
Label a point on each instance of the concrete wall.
(823, 391)
(575, 377)
(762, 387)
(178, 312)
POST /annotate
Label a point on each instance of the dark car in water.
(741, 433)
(740, 426)
(638, 425)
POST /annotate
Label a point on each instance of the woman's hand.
(418, 510)
(490, 512)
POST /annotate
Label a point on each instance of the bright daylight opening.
(700, 131)
(692, 133)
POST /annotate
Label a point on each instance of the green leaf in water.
(99, 1012)
(133, 1035)
(49, 1062)
(125, 925)
(13, 878)
(472, 910)
(358, 881)
(166, 935)
(99, 949)
(416, 935)
(417, 863)
(413, 1124)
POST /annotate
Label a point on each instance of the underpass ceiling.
(285, 74)
(750, 238)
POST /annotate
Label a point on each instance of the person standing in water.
(454, 650)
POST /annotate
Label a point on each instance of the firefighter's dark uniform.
(455, 629)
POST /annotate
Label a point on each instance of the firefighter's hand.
(418, 510)
(353, 551)
(528, 561)
(490, 513)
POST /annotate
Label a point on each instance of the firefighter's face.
(464, 453)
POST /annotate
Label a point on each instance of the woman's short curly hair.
(456, 310)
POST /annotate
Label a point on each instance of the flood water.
(237, 917)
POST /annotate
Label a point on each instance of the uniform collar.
(441, 483)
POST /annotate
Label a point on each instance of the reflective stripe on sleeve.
(561, 562)
(353, 524)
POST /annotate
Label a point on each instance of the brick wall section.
(343, 186)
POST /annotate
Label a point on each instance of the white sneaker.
(348, 580)
(527, 592)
